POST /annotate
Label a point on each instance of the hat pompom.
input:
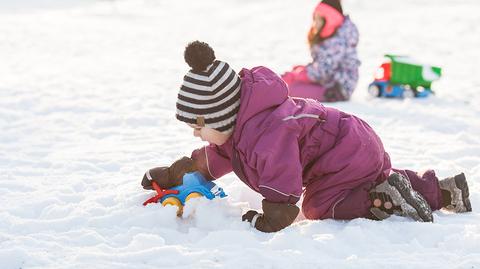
(199, 55)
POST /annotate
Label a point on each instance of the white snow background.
(87, 103)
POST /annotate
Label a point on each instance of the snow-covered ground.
(87, 97)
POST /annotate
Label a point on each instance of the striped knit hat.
(210, 97)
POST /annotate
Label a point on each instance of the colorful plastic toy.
(401, 76)
(194, 185)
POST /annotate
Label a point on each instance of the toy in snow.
(401, 76)
(194, 185)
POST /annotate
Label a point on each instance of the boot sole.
(422, 211)
(461, 183)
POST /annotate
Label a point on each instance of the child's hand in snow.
(168, 177)
(275, 217)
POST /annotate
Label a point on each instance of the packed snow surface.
(87, 103)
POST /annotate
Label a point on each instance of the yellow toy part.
(171, 201)
(174, 202)
(193, 195)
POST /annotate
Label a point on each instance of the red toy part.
(160, 194)
(383, 72)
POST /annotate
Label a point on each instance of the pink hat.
(333, 18)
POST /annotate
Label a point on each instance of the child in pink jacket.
(284, 147)
(333, 73)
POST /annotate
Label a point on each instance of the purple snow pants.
(299, 85)
(356, 203)
(307, 90)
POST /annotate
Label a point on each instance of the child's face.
(210, 135)
(318, 22)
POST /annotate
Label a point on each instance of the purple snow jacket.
(336, 60)
(283, 145)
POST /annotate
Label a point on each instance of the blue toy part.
(195, 182)
(385, 89)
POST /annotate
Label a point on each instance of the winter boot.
(336, 93)
(396, 196)
(455, 194)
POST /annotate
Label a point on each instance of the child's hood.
(261, 89)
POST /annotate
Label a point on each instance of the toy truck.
(194, 185)
(401, 76)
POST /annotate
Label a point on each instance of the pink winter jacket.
(281, 144)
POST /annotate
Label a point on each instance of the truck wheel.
(172, 201)
(193, 195)
(374, 90)
(409, 93)
(175, 202)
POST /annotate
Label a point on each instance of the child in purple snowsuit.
(333, 73)
(283, 147)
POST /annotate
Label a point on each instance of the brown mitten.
(168, 177)
(275, 217)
